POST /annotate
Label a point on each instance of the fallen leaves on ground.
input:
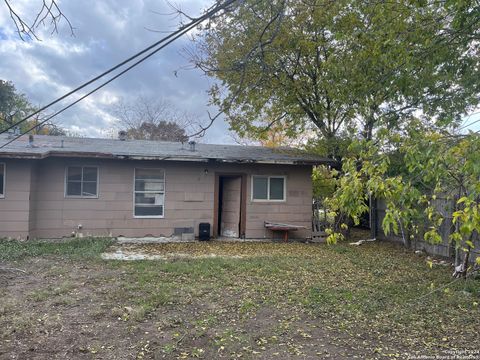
(240, 300)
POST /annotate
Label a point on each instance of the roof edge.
(16, 155)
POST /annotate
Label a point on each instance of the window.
(2, 180)
(82, 181)
(268, 188)
(149, 193)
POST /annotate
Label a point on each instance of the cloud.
(106, 32)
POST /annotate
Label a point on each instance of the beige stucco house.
(55, 186)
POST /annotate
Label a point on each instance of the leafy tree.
(342, 66)
(12, 103)
(14, 106)
(434, 165)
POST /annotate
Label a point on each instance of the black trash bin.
(204, 231)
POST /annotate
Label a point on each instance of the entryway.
(230, 203)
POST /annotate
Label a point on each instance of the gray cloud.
(106, 32)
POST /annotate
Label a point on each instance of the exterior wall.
(15, 206)
(189, 199)
(33, 197)
(296, 209)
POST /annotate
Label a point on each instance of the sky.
(105, 33)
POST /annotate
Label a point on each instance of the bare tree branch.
(154, 119)
(242, 64)
(23, 29)
(50, 12)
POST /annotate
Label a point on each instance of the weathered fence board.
(445, 248)
(319, 221)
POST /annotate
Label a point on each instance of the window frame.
(96, 196)
(2, 195)
(284, 177)
(152, 192)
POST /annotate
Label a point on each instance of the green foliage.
(14, 106)
(323, 181)
(334, 237)
(335, 148)
(437, 170)
(433, 237)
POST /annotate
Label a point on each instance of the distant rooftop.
(50, 146)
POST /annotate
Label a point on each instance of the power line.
(169, 38)
(95, 89)
(466, 125)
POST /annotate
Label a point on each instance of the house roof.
(56, 146)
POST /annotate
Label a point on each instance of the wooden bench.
(285, 228)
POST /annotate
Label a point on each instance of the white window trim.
(2, 195)
(164, 194)
(81, 196)
(268, 188)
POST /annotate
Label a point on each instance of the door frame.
(243, 201)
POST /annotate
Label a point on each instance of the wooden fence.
(445, 249)
(319, 220)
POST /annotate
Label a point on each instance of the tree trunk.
(373, 217)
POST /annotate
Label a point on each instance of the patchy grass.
(250, 300)
(78, 248)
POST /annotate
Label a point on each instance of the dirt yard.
(231, 300)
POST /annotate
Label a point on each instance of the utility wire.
(466, 125)
(97, 88)
(169, 38)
